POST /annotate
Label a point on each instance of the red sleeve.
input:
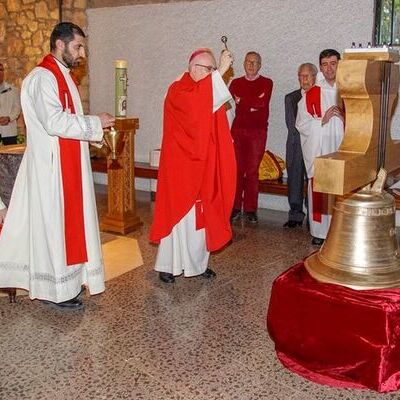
(232, 88)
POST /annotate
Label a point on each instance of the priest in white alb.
(320, 123)
(50, 243)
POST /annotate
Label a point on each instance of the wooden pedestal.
(121, 216)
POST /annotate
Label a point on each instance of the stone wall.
(25, 28)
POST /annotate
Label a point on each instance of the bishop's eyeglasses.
(209, 68)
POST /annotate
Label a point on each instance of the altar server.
(197, 174)
(320, 123)
(50, 241)
(10, 109)
(306, 74)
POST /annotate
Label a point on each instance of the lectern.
(121, 215)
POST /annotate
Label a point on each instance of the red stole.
(197, 164)
(317, 203)
(313, 104)
(313, 101)
(70, 157)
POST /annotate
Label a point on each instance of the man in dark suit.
(294, 157)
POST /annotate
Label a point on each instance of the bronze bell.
(361, 249)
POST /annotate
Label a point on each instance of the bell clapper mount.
(378, 185)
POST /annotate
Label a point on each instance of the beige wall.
(156, 40)
(116, 3)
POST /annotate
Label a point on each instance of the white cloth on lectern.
(184, 249)
(32, 245)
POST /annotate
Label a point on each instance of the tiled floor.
(142, 339)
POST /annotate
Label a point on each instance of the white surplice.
(184, 249)
(32, 245)
(318, 140)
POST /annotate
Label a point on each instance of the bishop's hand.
(225, 61)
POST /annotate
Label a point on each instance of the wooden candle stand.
(121, 216)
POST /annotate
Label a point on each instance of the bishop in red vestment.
(197, 174)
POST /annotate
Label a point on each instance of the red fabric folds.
(197, 163)
(334, 335)
(70, 156)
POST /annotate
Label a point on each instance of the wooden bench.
(276, 187)
(144, 170)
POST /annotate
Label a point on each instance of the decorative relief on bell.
(374, 212)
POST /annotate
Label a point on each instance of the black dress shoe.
(317, 241)
(208, 274)
(166, 277)
(251, 217)
(236, 214)
(292, 224)
(73, 304)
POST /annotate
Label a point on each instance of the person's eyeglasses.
(252, 63)
(209, 68)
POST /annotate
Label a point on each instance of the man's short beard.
(68, 60)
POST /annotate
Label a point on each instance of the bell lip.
(320, 271)
(388, 268)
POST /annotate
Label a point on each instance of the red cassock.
(197, 164)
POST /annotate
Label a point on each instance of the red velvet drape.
(334, 335)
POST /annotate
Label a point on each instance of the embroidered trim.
(11, 266)
(89, 132)
(38, 276)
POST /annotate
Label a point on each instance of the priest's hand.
(333, 111)
(3, 213)
(339, 113)
(225, 61)
(107, 120)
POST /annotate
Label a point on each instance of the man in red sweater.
(252, 94)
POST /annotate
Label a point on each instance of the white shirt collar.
(63, 68)
(321, 81)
